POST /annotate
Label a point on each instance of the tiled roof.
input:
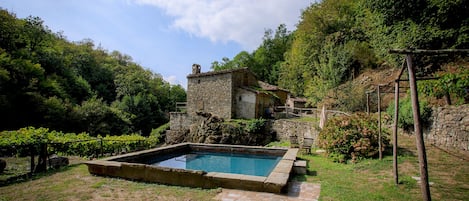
(268, 87)
(210, 73)
(300, 100)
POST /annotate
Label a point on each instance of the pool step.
(299, 167)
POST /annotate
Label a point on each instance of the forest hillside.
(336, 41)
(48, 81)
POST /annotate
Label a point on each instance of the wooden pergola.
(422, 156)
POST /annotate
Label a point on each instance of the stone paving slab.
(297, 191)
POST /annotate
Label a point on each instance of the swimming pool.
(161, 165)
(248, 164)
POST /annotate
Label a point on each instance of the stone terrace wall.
(285, 128)
(179, 121)
(450, 127)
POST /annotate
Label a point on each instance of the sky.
(165, 36)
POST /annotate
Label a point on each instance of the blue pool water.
(257, 165)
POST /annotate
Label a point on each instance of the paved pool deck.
(297, 191)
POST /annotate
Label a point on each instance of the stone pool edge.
(275, 182)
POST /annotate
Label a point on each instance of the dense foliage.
(352, 137)
(48, 81)
(266, 61)
(335, 40)
(82, 144)
(406, 118)
(453, 84)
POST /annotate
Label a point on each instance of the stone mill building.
(226, 94)
(234, 93)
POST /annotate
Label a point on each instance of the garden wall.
(450, 127)
(284, 128)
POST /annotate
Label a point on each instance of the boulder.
(58, 161)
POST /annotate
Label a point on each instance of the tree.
(270, 54)
(328, 48)
(266, 60)
(46, 80)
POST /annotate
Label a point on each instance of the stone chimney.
(195, 68)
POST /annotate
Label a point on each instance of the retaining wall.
(450, 127)
(284, 128)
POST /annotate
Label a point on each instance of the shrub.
(255, 125)
(352, 137)
(158, 132)
(406, 119)
(82, 144)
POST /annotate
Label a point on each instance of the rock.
(58, 161)
(3, 165)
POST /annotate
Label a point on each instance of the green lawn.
(374, 180)
(366, 180)
(75, 183)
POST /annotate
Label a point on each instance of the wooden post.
(101, 147)
(422, 155)
(367, 103)
(447, 98)
(42, 158)
(379, 124)
(32, 153)
(286, 111)
(394, 141)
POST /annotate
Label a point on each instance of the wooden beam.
(420, 78)
(422, 155)
(429, 52)
(402, 70)
(391, 92)
(379, 125)
(367, 103)
(394, 141)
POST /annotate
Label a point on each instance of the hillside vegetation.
(337, 40)
(48, 81)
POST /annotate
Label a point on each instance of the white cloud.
(172, 79)
(241, 21)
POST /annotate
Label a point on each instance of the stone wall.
(179, 121)
(214, 92)
(285, 128)
(211, 93)
(245, 104)
(450, 127)
(211, 129)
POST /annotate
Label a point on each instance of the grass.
(75, 183)
(15, 167)
(279, 144)
(372, 179)
(369, 179)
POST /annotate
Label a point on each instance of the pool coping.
(127, 166)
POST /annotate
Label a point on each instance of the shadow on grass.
(33, 176)
(404, 152)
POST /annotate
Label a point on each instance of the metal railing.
(305, 112)
(181, 106)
